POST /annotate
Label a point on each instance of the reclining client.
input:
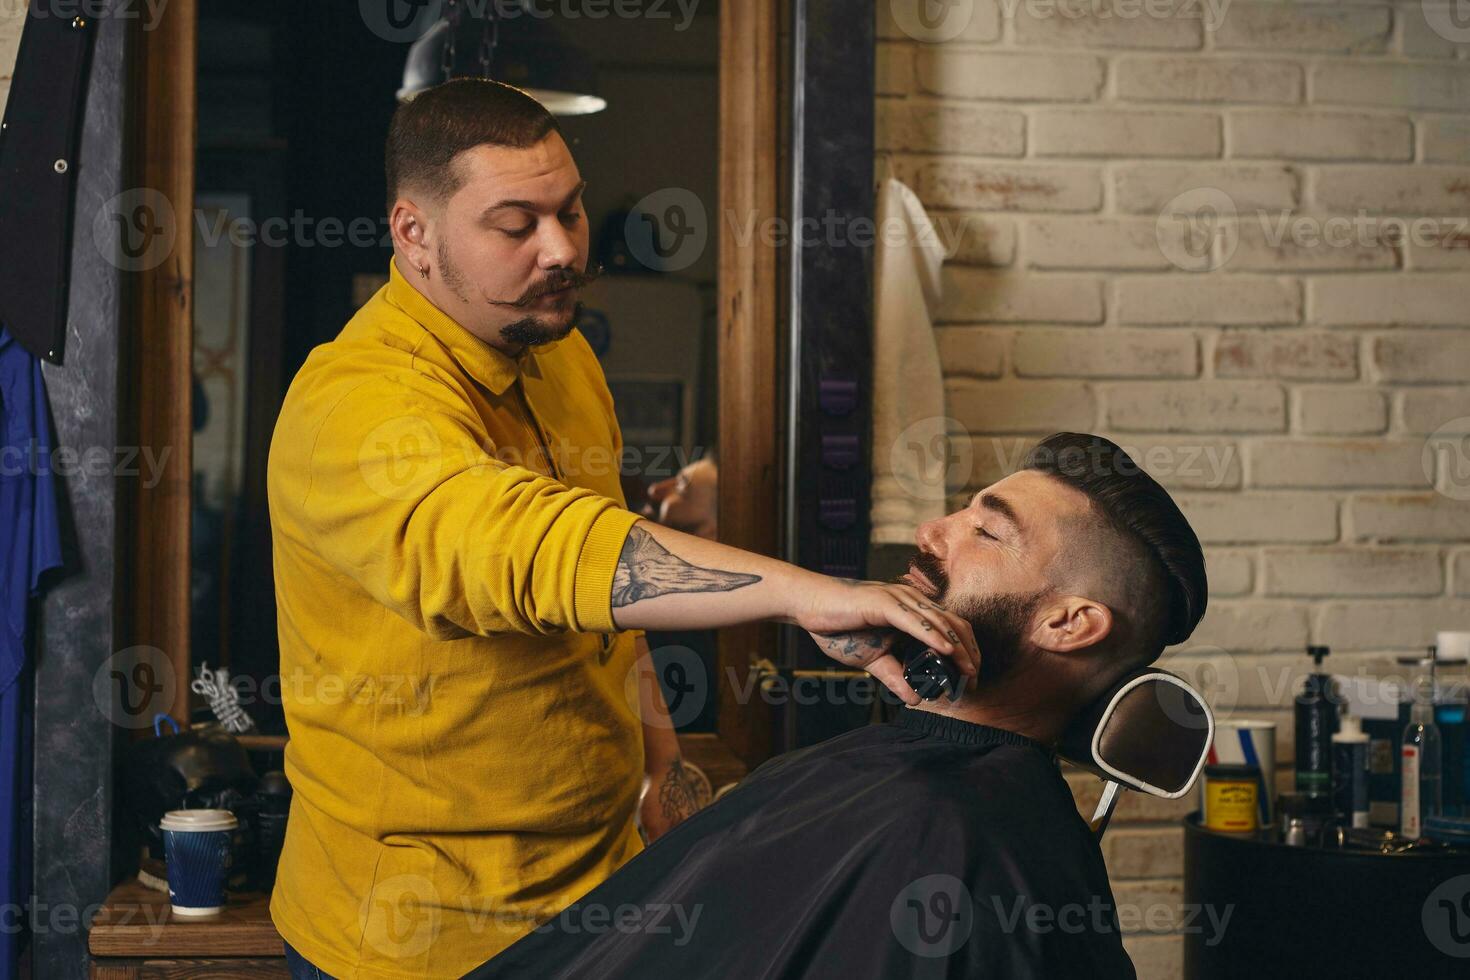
(946, 843)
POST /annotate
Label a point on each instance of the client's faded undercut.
(1160, 590)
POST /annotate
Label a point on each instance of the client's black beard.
(999, 621)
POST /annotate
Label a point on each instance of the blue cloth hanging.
(30, 543)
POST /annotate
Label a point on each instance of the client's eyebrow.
(1001, 506)
(518, 205)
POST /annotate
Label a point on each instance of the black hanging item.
(829, 450)
(38, 151)
(510, 42)
(202, 768)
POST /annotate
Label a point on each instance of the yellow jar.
(1231, 798)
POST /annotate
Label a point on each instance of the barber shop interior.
(726, 489)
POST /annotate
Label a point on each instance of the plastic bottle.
(1450, 713)
(1316, 720)
(1420, 752)
(1350, 773)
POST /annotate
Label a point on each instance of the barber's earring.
(423, 272)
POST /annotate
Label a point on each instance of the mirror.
(293, 107)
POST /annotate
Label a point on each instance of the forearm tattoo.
(678, 795)
(646, 570)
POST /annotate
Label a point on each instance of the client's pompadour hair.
(1136, 507)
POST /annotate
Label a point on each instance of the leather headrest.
(1150, 732)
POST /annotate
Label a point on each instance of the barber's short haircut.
(1134, 505)
(438, 124)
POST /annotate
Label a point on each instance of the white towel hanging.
(910, 437)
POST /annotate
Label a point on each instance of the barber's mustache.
(555, 282)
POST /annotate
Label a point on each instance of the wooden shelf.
(263, 743)
(138, 922)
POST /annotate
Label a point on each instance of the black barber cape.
(928, 847)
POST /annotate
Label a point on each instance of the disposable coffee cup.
(1452, 645)
(196, 845)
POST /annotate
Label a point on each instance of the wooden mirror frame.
(749, 396)
(158, 387)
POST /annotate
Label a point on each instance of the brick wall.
(12, 20)
(1138, 210)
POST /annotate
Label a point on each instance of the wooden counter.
(136, 936)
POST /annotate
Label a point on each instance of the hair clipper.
(928, 673)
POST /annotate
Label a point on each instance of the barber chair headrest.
(1150, 732)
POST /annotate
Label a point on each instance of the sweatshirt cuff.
(595, 568)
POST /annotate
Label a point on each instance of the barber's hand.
(854, 623)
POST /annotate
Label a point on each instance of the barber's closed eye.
(518, 232)
(985, 534)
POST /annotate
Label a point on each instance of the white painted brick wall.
(1251, 518)
(12, 22)
(1274, 26)
(1145, 188)
(1070, 25)
(1087, 242)
(1444, 140)
(1461, 572)
(1310, 134)
(1421, 356)
(1435, 191)
(1425, 410)
(977, 238)
(1430, 300)
(1391, 84)
(1201, 81)
(1280, 368)
(982, 74)
(1407, 517)
(971, 295)
(1213, 300)
(1338, 410)
(1040, 352)
(1196, 406)
(963, 183)
(1283, 243)
(1325, 464)
(1231, 573)
(945, 128)
(1285, 354)
(1328, 572)
(1138, 133)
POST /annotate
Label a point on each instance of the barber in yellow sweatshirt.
(460, 589)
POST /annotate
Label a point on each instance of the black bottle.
(1316, 723)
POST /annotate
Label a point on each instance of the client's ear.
(1072, 622)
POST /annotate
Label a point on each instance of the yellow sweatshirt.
(465, 746)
